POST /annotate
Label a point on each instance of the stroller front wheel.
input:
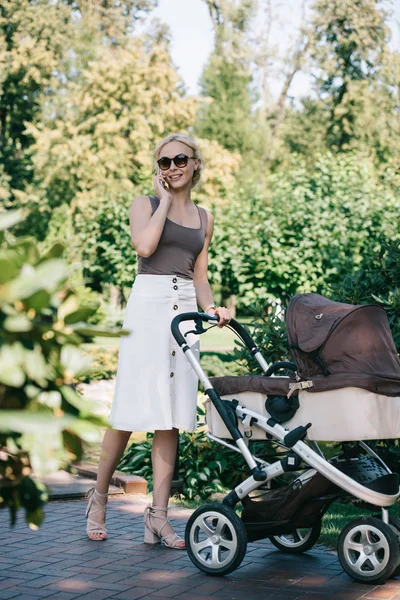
(369, 550)
(216, 539)
(298, 541)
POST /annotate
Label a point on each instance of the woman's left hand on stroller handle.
(223, 314)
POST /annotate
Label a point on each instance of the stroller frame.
(263, 472)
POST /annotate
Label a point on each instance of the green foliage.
(104, 363)
(308, 230)
(376, 282)
(43, 420)
(356, 75)
(269, 333)
(350, 38)
(227, 83)
(218, 364)
(33, 39)
(227, 117)
(205, 467)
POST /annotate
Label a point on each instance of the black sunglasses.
(180, 161)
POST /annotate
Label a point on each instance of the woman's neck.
(181, 197)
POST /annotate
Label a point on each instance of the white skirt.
(156, 388)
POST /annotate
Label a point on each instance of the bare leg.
(163, 458)
(112, 448)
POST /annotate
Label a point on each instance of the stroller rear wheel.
(298, 541)
(216, 539)
(369, 550)
(395, 522)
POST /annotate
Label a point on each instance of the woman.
(156, 388)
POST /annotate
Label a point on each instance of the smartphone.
(164, 183)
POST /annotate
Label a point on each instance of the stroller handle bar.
(199, 317)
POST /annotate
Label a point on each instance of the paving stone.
(59, 562)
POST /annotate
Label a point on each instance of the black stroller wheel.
(395, 522)
(369, 550)
(298, 541)
(216, 539)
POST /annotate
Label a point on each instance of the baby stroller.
(343, 386)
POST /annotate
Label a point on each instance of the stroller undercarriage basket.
(297, 505)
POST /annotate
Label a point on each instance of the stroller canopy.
(339, 345)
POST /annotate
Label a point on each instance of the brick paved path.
(58, 562)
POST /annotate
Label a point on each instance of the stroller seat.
(339, 415)
(265, 395)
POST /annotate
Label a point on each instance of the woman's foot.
(96, 515)
(157, 528)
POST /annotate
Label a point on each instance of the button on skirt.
(156, 388)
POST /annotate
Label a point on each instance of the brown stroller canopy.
(340, 345)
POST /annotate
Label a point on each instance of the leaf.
(11, 358)
(82, 314)
(20, 323)
(38, 301)
(9, 268)
(74, 361)
(93, 331)
(46, 276)
(87, 407)
(10, 218)
(23, 421)
(35, 518)
(55, 251)
(35, 365)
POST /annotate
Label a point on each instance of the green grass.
(339, 515)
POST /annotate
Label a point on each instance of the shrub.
(104, 363)
(43, 420)
(205, 467)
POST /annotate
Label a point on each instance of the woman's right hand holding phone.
(161, 188)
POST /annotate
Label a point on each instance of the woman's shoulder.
(145, 202)
(206, 211)
(207, 219)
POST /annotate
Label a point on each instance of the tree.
(33, 39)
(349, 42)
(227, 80)
(43, 44)
(356, 83)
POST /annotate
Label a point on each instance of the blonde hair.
(188, 141)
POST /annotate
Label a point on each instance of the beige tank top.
(178, 248)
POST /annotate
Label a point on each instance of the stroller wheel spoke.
(228, 544)
(219, 526)
(216, 555)
(205, 528)
(355, 546)
(198, 546)
(376, 563)
(378, 546)
(297, 536)
(360, 562)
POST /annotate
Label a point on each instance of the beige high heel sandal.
(97, 503)
(152, 535)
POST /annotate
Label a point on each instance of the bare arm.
(146, 229)
(200, 279)
(200, 276)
